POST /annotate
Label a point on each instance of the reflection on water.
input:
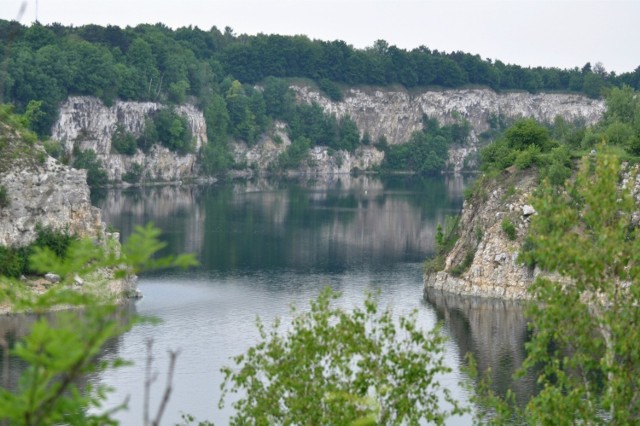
(266, 244)
(494, 331)
(312, 225)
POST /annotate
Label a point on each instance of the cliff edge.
(491, 229)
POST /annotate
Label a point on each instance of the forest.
(218, 71)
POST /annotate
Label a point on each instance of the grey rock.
(528, 210)
(396, 114)
(51, 277)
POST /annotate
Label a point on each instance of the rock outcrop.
(495, 270)
(50, 194)
(86, 123)
(321, 160)
(396, 114)
(40, 191)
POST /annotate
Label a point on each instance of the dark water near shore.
(269, 244)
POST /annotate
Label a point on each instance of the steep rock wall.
(396, 114)
(495, 270)
(87, 123)
(321, 160)
(50, 194)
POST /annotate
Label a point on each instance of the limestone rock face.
(495, 270)
(87, 123)
(51, 194)
(396, 114)
(322, 161)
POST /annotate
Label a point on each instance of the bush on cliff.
(88, 160)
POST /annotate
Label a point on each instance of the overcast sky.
(563, 34)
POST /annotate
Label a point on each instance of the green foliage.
(123, 142)
(428, 150)
(295, 154)
(461, 268)
(58, 241)
(46, 64)
(527, 157)
(134, 174)
(584, 332)
(59, 354)
(215, 159)
(525, 133)
(4, 197)
(14, 261)
(88, 160)
(331, 89)
(149, 136)
(445, 239)
(332, 366)
(497, 156)
(584, 347)
(173, 131)
(508, 228)
(141, 246)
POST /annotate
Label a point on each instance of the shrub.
(295, 154)
(173, 131)
(215, 158)
(331, 89)
(88, 160)
(526, 158)
(509, 229)
(12, 262)
(148, 137)
(4, 198)
(123, 142)
(57, 241)
(464, 266)
(527, 132)
(134, 175)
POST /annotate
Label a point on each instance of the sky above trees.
(561, 34)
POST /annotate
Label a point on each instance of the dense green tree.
(123, 142)
(217, 119)
(526, 132)
(593, 84)
(349, 135)
(173, 131)
(88, 160)
(337, 367)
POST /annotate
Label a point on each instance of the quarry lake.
(265, 245)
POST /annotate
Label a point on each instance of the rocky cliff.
(321, 161)
(396, 114)
(86, 123)
(50, 194)
(494, 270)
(39, 190)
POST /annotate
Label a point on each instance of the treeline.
(154, 62)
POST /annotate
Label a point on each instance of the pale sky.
(562, 34)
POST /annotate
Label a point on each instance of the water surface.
(266, 245)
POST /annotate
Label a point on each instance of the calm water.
(266, 245)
